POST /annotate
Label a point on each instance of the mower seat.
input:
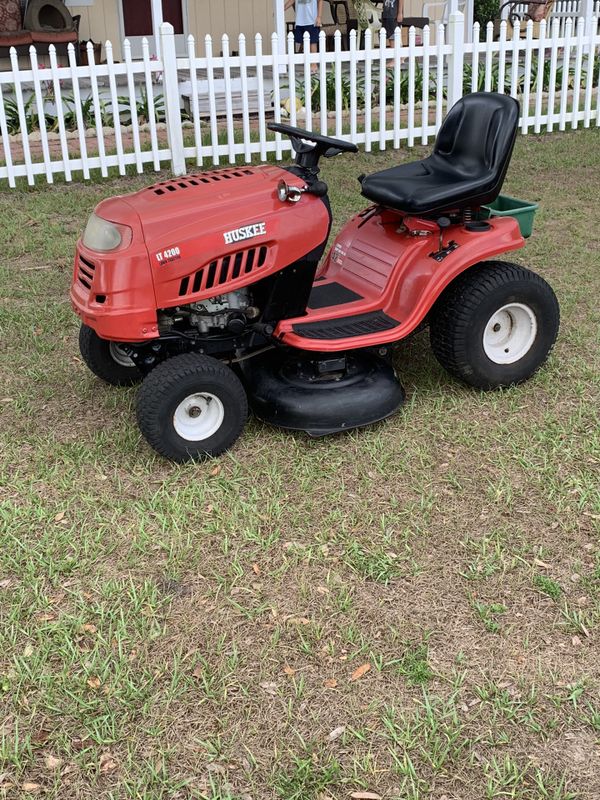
(468, 164)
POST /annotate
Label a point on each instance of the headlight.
(282, 191)
(289, 193)
(102, 235)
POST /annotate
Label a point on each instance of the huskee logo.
(247, 232)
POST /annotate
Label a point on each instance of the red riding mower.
(210, 288)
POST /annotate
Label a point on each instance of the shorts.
(312, 31)
(390, 26)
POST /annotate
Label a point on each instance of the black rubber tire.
(96, 354)
(170, 383)
(460, 315)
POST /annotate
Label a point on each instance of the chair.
(367, 15)
(340, 20)
(407, 23)
(536, 10)
(468, 164)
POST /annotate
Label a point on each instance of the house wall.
(233, 17)
(101, 19)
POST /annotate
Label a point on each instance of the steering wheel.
(307, 156)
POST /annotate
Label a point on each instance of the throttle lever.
(443, 223)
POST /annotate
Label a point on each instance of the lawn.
(408, 611)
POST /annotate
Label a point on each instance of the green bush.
(485, 11)
(330, 92)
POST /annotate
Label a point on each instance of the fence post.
(469, 19)
(279, 13)
(586, 10)
(157, 19)
(456, 57)
(171, 95)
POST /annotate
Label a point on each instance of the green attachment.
(505, 206)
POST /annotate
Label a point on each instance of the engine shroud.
(224, 230)
(193, 238)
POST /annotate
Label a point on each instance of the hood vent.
(85, 272)
(198, 179)
(223, 270)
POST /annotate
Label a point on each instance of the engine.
(225, 312)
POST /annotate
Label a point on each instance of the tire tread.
(154, 391)
(450, 317)
(92, 348)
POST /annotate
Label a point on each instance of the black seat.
(468, 164)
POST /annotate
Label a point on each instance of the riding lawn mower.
(212, 290)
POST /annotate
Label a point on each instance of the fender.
(393, 271)
(418, 288)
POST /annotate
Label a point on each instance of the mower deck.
(321, 395)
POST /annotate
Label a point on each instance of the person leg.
(390, 28)
(314, 43)
(299, 37)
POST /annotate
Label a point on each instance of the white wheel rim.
(119, 356)
(509, 333)
(198, 416)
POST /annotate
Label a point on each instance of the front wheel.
(191, 407)
(495, 325)
(107, 359)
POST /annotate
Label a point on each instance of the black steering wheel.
(307, 155)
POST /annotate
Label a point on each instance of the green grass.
(547, 586)
(413, 664)
(193, 632)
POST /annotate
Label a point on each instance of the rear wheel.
(495, 325)
(107, 359)
(191, 407)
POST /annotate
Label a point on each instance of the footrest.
(346, 327)
(331, 294)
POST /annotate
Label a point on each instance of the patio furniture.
(440, 11)
(83, 52)
(517, 10)
(412, 22)
(536, 10)
(367, 15)
(46, 22)
(407, 24)
(341, 20)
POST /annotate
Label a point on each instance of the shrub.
(485, 11)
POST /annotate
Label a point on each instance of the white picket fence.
(85, 118)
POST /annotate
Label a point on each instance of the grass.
(547, 586)
(410, 610)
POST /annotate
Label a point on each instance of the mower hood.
(213, 217)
